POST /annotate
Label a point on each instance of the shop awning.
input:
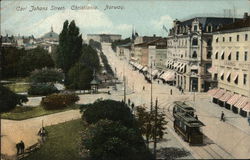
(226, 96)
(169, 76)
(212, 69)
(241, 102)
(145, 68)
(213, 91)
(155, 72)
(233, 99)
(219, 94)
(246, 107)
(194, 67)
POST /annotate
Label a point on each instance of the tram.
(186, 125)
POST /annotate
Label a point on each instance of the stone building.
(189, 51)
(231, 66)
(108, 38)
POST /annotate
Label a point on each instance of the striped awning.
(220, 93)
(212, 69)
(145, 68)
(228, 74)
(246, 107)
(235, 75)
(233, 99)
(221, 73)
(155, 72)
(226, 96)
(194, 67)
(168, 76)
(241, 102)
(213, 91)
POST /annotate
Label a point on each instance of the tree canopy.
(70, 46)
(9, 99)
(46, 75)
(79, 77)
(90, 57)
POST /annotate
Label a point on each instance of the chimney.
(245, 15)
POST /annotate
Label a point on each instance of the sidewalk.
(232, 135)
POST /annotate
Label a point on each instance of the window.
(195, 42)
(194, 54)
(236, 80)
(244, 79)
(237, 55)
(223, 39)
(245, 56)
(222, 77)
(209, 55)
(230, 39)
(209, 42)
(229, 78)
(222, 56)
(215, 76)
(238, 38)
(229, 56)
(195, 28)
(217, 40)
(246, 37)
(216, 55)
(209, 28)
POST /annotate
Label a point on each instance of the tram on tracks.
(186, 125)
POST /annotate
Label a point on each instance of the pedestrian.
(222, 117)
(171, 92)
(143, 88)
(18, 148)
(182, 91)
(22, 146)
(158, 81)
(129, 102)
(132, 106)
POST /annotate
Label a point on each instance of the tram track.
(206, 151)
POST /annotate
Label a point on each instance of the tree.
(146, 123)
(70, 46)
(109, 109)
(9, 99)
(10, 61)
(46, 75)
(108, 140)
(37, 58)
(90, 57)
(79, 77)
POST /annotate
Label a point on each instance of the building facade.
(231, 60)
(189, 51)
(108, 38)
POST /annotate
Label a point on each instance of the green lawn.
(24, 112)
(18, 88)
(63, 142)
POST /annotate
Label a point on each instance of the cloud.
(85, 19)
(124, 27)
(163, 20)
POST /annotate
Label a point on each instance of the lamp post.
(151, 87)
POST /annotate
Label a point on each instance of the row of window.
(229, 78)
(230, 38)
(229, 57)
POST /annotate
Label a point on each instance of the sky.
(146, 16)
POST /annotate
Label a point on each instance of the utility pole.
(151, 88)
(124, 79)
(155, 128)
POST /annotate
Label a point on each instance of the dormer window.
(195, 28)
(194, 54)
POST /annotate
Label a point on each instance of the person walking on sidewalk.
(222, 117)
(18, 148)
(171, 92)
(143, 88)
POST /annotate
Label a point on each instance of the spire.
(51, 28)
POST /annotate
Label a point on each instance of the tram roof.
(183, 105)
(189, 120)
